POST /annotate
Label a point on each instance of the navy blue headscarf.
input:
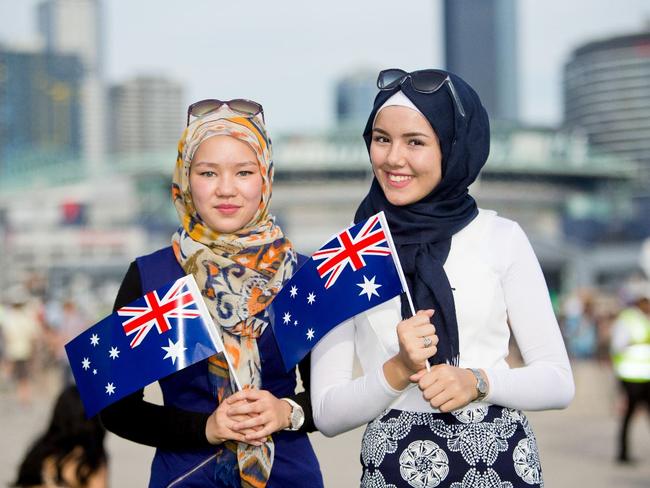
(422, 230)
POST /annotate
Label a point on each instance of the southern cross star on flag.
(354, 271)
(162, 332)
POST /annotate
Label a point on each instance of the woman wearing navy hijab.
(473, 277)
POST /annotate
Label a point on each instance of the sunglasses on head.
(422, 81)
(239, 105)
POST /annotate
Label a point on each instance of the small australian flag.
(165, 331)
(356, 270)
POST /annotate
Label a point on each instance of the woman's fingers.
(250, 423)
(261, 435)
(257, 413)
(243, 408)
(249, 394)
(446, 387)
(415, 378)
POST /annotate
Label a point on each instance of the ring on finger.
(427, 341)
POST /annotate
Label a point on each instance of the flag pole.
(398, 266)
(214, 330)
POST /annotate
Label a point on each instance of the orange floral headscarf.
(239, 274)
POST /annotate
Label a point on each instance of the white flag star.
(311, 298)
(286, 317)
(85, 364)
(310, 334)
(368, 287)
(110, 389)
(174, 350)
(293, 292)
(94, 371)
(114, 352)
(94, 339)
(295, 322)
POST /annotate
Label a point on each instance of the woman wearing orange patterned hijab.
(229, 242)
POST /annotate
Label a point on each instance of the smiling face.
(405, 155)
(226, 183)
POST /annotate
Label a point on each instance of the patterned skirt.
(475, 447)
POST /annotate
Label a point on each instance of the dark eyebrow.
(238, 165)
(407, 134)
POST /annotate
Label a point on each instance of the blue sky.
(288, 54)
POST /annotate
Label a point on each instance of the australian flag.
(355, 271)
(165, 331)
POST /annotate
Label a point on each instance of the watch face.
(481, 384)
(297, 418)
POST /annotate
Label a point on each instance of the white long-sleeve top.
(497, 281)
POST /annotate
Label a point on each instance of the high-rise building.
(607, 95)
(355, 94)
(74, 27)
(39, 108)
(481, 47)
(147, 114)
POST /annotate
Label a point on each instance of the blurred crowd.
(587, 317)
(35, 326)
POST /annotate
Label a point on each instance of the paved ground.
(576, 444)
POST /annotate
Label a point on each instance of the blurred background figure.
(64, 324)
(630, 347)
(20, 330)
(580, 324)
(71, 451)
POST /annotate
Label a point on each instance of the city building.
(74, 27)
(355, 94)
(607, 95)
(147, 114)
(539, 177)
(481, 47)
(40, 108)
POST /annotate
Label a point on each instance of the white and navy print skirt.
(476, 447)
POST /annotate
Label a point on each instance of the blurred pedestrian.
(630, 349)
(580, 325)
(65, 326)
(4, 373)
(71, 451)
(20, 330)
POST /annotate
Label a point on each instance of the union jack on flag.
(354, 271)
(157, 311)
(351, 249)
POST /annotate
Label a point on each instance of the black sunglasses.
(239, 105)
(423, 81)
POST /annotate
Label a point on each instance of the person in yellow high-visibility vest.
(630, 349)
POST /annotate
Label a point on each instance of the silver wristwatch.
(297, 417)
(481, 384)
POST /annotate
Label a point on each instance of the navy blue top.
(192, 461)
